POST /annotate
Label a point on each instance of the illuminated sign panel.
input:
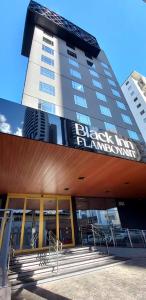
(83, 137)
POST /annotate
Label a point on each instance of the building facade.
(65, 79)
(72, 153)
(134, 90)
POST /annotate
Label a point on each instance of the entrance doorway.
(35, 216)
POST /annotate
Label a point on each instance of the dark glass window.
(72, 53)
(90, 63)
(48, 41)
(70, 45)
(138, 105)
(127, 82)
(142, 112)
(135, 99)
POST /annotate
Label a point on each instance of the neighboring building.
(134, 89)
(72, 154)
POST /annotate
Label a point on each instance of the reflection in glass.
(31, 228)
(49, 219)
(65, 231)
(17, 206)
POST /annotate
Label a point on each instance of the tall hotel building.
(73, 148)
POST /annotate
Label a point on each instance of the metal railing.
(55, 246)
(6, 218)
(101, 235)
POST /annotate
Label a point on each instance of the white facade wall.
(130, 94)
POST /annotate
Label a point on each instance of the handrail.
(113, 236)
(56, 245)
(100, 234)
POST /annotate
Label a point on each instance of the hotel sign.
(82, 136)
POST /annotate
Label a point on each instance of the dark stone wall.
(132, 213)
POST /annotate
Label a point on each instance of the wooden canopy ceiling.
(28, 166)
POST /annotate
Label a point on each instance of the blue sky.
(119, 26)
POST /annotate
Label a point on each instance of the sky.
(118, 25)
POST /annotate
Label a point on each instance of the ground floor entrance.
(35, 216)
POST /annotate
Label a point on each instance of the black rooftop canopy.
(38, 15)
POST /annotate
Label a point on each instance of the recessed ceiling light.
(81, 177)
(66, 189)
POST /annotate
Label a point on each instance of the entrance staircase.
(34, 269)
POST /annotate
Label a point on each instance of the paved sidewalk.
(126, 281)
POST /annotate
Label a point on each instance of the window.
(135, 99)
(115, 93)
(46, 106)
(71, 53)
(88, 55)
(138, 105)
(77, 86)
(70, 45)
(105, 111)
(142, 112)
(83, 119)
(47, 88)
(110, 127)
(129, 88)
(48, 34)
(104, 65)
(133, 135)
(101, 96)
(48, 49)
(127, 82)
(80, 101)
(90, 63)
(111, 82)
(73, 63)
(47, 72)
(75, 73)
(47, 60)
(97, 84)
(132, 93)
(49, 42)
(107, 73)
(92, 72)
(121, 105)
(126, 119)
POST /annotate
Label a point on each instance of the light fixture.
(66, 189)
(81, 177)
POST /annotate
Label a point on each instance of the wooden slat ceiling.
(28, 166)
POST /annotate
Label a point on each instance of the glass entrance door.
(35, 216)
(49, 219)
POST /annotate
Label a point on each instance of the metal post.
(129, 238)
(113, 238)
(106, 245)
(144, 237)
(57, 253)
(93, 234)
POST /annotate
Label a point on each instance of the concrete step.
(70, 251)
(76, 270)
(64, 265)
(64, 256)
